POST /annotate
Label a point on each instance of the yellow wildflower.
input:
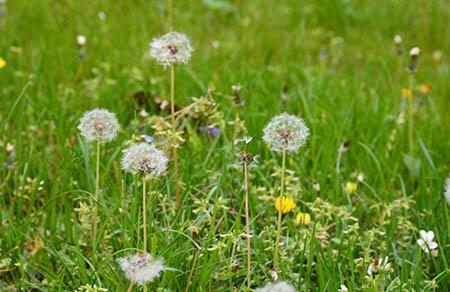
(406, 92)
(287, 204)
(2, 63)
(425, 88)
(351, 187)
(303, 218)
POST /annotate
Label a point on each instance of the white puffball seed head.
(99, 125)
(285, 133)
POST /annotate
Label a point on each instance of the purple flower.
(214, 131)
(147, 138)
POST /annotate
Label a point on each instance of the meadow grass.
(333, 63)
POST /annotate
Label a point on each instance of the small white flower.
(426, 241)
(99, 125)
(277, 287)
(172, 48)
(285, 132)
(360, 177)
(144, 158)
(414, 52)
(397, 39)
(81, 40)
(141, 268)
(447, 190)
(343, 288)
(316, 186)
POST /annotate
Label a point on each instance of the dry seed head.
(285, 132)
(172, 48)
(141, 268)
(277, 287)
(99, 125)
(145, 159)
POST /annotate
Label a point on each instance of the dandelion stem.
(130, 288)
(188, 284)
(144, 215)
(411, 113)
(94, 215)
(280, 213)
(247, 225)
(170, 13)
(174, 146)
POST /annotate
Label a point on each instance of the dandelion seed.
(277, 287)
(447, 190)
(426, 242)
(2, 63)
(287, 204)
(351, 187)
(144, 158)
(99, 125)
(141, 268)
(81, 40)
(343, 288)
(172, 48)
(303, 218)
(286, 133)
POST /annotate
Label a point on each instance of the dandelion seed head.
(99, 125)
(144, 158)
(172, 48)
(277, 287)
(414, 52)
(141, 268)
(447, 190)
(81, 40)
(397, 39)
(285, 132)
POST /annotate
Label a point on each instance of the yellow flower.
(425, 88)
(351, 187)
(2, 63)
(303, 218)
(406, 92)
(287, 204)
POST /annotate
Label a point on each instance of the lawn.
(368, 178)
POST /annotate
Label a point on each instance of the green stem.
(247, 226)
(144, 215)
(174, 142)
(280, 214)
(97, 187)
(411, 114)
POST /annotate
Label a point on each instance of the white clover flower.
(99, 125)
(144, 158)
(343, 288)
(426, 241)
(285, 132)
(81, 40)
(447, 190)
(397, 39)
(414, 52)
(141, 268)
(277, 287)
(172, 48)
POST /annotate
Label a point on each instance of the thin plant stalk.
(411, 114)
(188, 284)
(130, 288)
(174, 147)
(280, 214)
(247, 225)
(144, 219)
(95, 211)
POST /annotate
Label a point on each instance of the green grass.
(336, 62)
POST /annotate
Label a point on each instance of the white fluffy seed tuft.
(141, 268)
(277, 287)
(99, 125)
(285, 132)
(447, 190)
(172, 48)
(145, 159)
